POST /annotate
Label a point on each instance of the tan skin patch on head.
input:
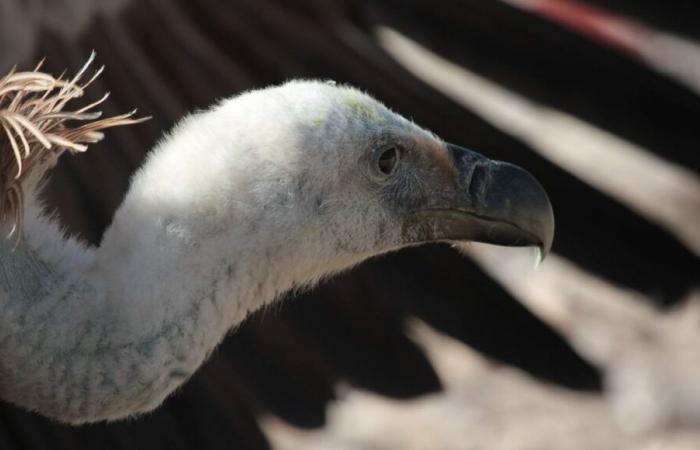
(439, 155)
(444, 160)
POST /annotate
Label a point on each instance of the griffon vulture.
(266, 192)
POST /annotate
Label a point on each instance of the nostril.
(478, 181)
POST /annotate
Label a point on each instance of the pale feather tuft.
(36, 127)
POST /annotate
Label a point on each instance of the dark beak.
(496, 203)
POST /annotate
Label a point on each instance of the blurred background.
(426, 349)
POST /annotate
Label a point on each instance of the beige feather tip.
(36, 127)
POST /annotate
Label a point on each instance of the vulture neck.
(102, 333)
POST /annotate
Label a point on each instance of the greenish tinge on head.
(361, 106)
(318, 121)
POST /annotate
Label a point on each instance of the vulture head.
(265, 192)
(332, 172)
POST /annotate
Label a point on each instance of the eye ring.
(388, 161)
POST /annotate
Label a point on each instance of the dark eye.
(388, 160)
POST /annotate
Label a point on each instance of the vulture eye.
(388, 160)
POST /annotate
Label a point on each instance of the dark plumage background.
(169, 57)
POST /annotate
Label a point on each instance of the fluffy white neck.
(96, 334)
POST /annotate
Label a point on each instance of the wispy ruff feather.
(35, 129)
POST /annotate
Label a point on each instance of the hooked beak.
(494, 202)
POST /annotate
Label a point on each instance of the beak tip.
(539, 257)
(543, 249)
